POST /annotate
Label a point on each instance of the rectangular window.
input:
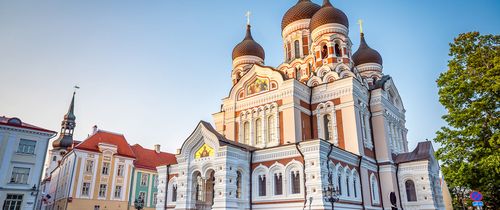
(26, 146)
(20, 175)
(118, 191)
(142, 195)
(102, 190)
(144, 179)
(13, 201)
(174, 193)
(120, 170)
(155, 200)
(89, 165)
(85, 189)
(105, 168)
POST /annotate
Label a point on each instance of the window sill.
(25, 154)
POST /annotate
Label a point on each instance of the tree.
(470, 92)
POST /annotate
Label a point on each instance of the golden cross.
(248, 17)
(360, 23)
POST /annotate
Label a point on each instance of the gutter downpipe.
(311, 117)
(399, 190)
(374, 148)
(330, 181)
(304, 173)
(361, 182)
(166, 186)
(250, 178)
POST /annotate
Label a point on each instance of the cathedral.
(325, 129)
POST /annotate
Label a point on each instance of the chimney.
(157, 148)
(94, 129)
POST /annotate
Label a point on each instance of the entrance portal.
(204, 189)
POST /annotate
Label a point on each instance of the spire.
(68, 125)
(248, 35)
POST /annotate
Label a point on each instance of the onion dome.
(304, 9)
(365, 54)
(248, 47)
(328, 14)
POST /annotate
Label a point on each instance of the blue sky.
(152, 69)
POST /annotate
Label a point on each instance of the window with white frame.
(327, 125)
(13, 201)
(85, 189)
(295, 179)
(238, 184)
(105, 168)
(155, 199)
(411, 193)
(89, 166)
(26, 146)
(174, 193)
(144, 179)
(102, 190)
(258, 131)
(142, 195)
(347, 183)
(339, 180)
(246, 133)
(20, 175)
(118, 191)
(296, 45)
(271, 129)
(374, 189)
(278, 184)
(120, 170)
(262, 185)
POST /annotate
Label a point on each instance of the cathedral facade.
(326, 127)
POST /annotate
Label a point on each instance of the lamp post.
(331, 194)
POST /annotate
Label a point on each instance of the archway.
(203, 189)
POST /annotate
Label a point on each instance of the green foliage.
(470, 91)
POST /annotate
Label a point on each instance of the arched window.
(327, 125)
(324, 51)
(295, 175)
(411, 193)
(271, 128)
(374, 190)
(278, 184)
(198, 187)
(174, 193)
(296, 46)
(262, 185)
(246, 133)
(288, 51)
(348, 187)
(238, 184)
(258, 131)
(338, 53)
(339, 180)
(355, 186)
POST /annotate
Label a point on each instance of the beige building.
(95, 174)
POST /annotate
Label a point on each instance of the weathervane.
(360, 23)
(248, 17)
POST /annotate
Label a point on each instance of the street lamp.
(331, 194)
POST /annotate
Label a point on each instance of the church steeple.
(68, 124)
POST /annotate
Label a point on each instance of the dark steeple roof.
(365, 54)
(248, 47)
(304, 9)
(68, 124)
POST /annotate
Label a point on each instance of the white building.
(22, 154)
(325, 117)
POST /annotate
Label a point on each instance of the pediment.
(258, 80)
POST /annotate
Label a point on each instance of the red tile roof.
(92, 142)
(5, 121)
(150, 159)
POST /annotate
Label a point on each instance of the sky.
(152, 70)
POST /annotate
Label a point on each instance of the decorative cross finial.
(360, 23)
(248, 17)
